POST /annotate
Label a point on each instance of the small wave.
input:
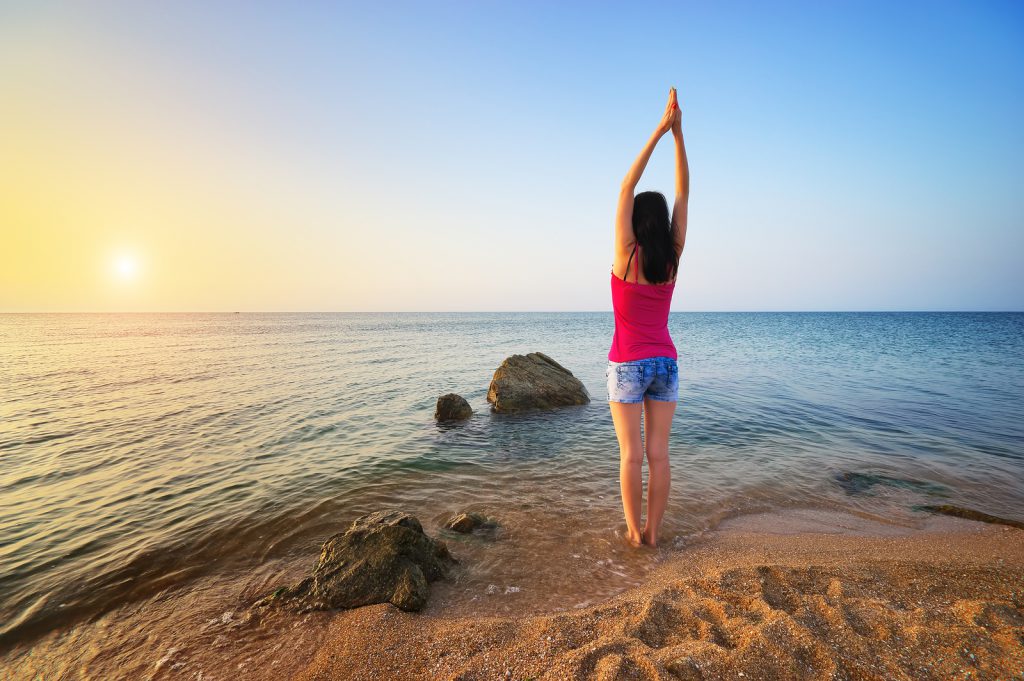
(38, 440)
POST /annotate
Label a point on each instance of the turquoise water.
(141, 453)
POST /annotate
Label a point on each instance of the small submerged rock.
(452, 407)
(534, 381)
(384, 557)
(971, 514)
(861, 483)
(467, 522)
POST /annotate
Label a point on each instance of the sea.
(161, 472)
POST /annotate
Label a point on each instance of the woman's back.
(641, 316)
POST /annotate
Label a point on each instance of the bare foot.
(653, 543)
(635, 540)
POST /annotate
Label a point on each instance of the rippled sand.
(803, 595)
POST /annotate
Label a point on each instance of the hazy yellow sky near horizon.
(83, 197)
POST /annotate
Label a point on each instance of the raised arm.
(624, 236)
(637, 169)
(679, 210)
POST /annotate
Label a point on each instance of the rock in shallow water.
(534, 381)
(384, 557)
(452, 406)
(467, 522)
(971, 514)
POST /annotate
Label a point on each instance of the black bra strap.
(629, 261)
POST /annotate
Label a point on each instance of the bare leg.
(657, 425)
(631, 458)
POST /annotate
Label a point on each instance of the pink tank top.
(641, 318)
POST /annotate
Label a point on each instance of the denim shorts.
(653, 377)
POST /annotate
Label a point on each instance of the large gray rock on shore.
(534, 381)
(384, 557)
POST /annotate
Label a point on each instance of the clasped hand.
(672, 118)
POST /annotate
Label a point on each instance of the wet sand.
(791, 595)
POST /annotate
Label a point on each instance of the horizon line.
(609, 311)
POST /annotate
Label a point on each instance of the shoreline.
(792, 594)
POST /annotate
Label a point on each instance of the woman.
(642, 372)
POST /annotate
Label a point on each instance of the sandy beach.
(791, 595)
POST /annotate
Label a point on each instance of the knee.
(630, 456)
(657, 455)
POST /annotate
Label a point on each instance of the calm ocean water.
(145, 455)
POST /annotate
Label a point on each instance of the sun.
(126, 267)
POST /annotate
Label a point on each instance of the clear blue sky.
(466, 156)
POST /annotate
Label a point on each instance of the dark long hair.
(653, 229)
